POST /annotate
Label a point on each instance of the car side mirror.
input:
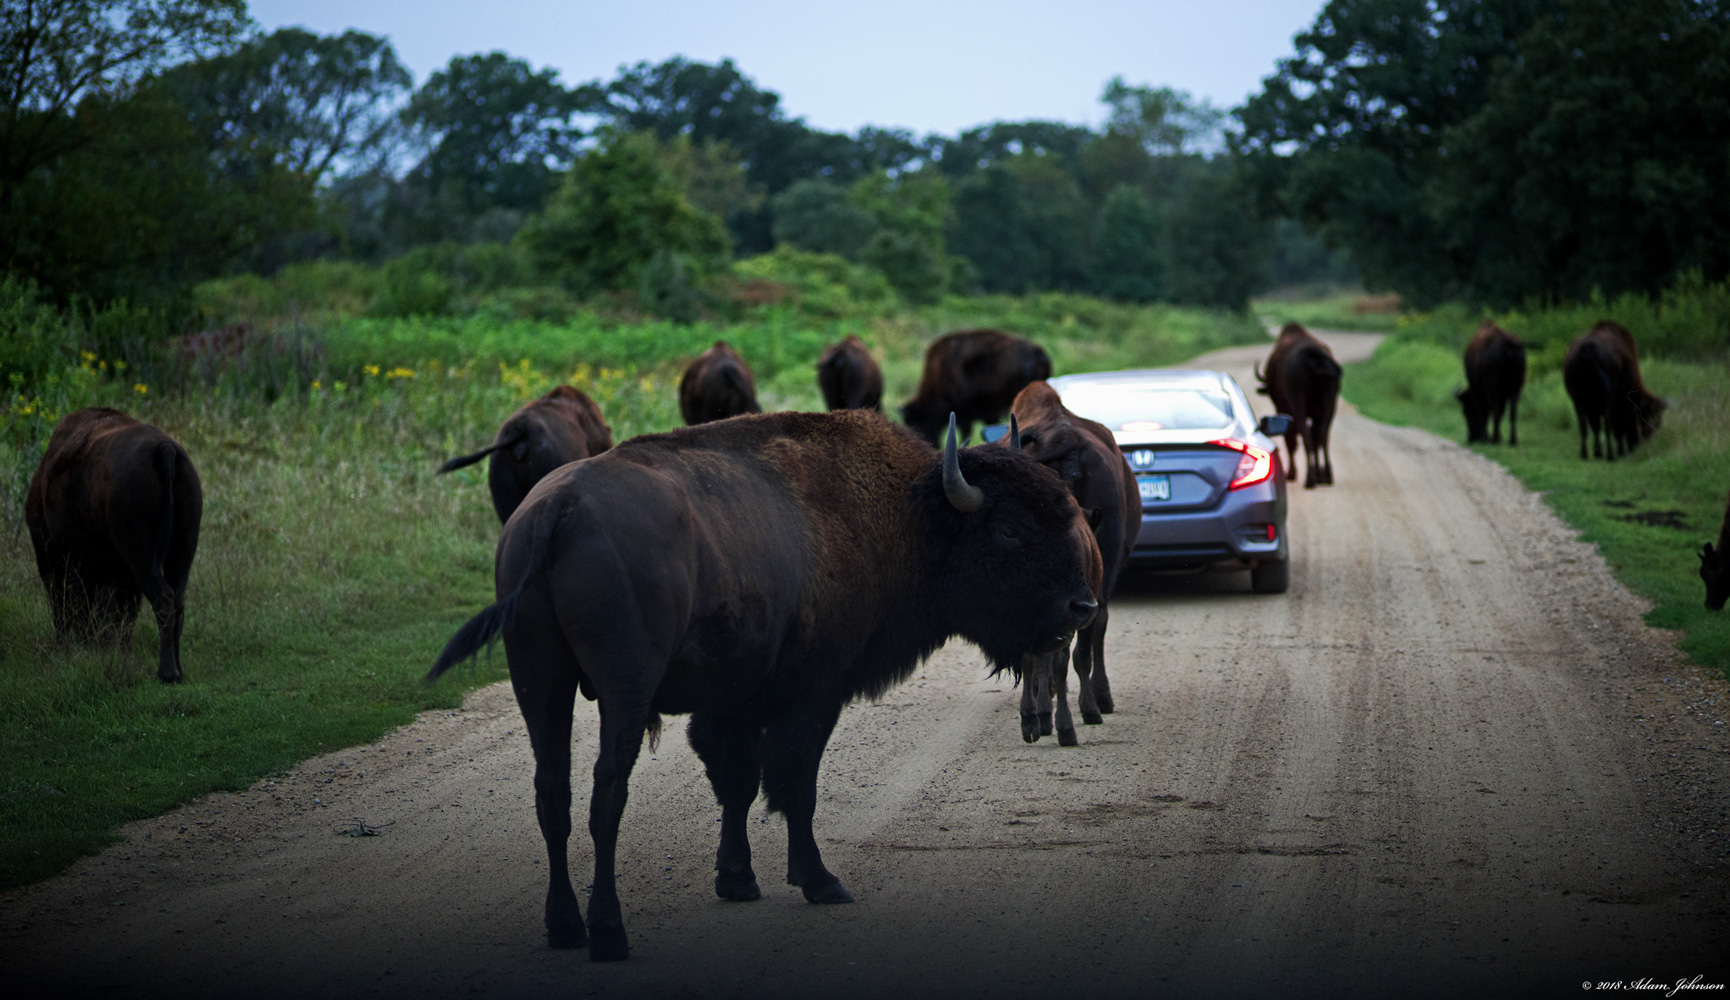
(1274, 425)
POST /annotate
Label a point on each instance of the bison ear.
(1706, 552)
(1014, 433)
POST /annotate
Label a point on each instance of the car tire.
(1271, 577)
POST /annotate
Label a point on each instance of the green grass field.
(333, 564)
(1648, 513)
(1329, 309)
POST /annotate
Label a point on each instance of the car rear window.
(1150, 408)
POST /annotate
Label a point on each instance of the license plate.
(1154, 488)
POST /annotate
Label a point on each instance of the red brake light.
(1253, 466)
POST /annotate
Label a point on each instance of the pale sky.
(925, 65)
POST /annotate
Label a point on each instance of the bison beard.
(114, 512)
(758, 574)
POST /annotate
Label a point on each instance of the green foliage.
(1127, 248)
(907, 246)
(1684, 468)
(1159, 119)
(1329, 307)
(616, 210)
(816, 215)
(821, 284)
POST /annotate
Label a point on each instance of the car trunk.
(1181, 477)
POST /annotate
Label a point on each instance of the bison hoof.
(1106, 705)
(1045, 723)
(1092, 718)
(1066, 738)
(740, 887)
(1030, 729)
(173, 678)
(829, 891)
(567, 936)
(608, 944)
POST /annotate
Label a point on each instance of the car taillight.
(1253, 464)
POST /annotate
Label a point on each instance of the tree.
(499, 132)
(910, 211)
(816, 215)
(616, 213)
(1163, 121)
(1345, 136)
(1599, 158)
(1216, 246)
(317, 103)
(55, 54)
(1127, 248)
(1023, 223)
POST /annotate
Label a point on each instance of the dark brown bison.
(1495, 374)
(562, 426)
(716, 386)
(113, 512)
(975, 375)
(1715, 567)
(1303, 381)
(758, 574)
(1602, 375)
(849, 377)
(1085, 455)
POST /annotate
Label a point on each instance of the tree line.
(1492, 151)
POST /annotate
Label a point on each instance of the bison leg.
(1090, 669)
(731, 750)
(1030, 681)
(1059, 670)
(1101, 683)
(546, 695)
(1291, 447)
(624, 721)
(792, 749)
(1514, 419)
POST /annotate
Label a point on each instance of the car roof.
(1152, 378)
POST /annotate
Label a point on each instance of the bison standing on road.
(113, 512)
(973, 374)
(759, 574)
(1085, 455)
(1715, 567)
(1602, 375)
(1495, 374)
(1303, 381)
(562, 426)
(849, 377)
(716, 386)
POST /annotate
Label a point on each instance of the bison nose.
(1083, 609)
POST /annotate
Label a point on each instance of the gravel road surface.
(1451, 761)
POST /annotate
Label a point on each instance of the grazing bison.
(716, 386)
(1085, 455)
(975, 375)
(1715, 567)
(759, 574)
(849, 377)
(562, 426)
(1602, 375)
(1495, 374)
(1303, 381)
(113, 512)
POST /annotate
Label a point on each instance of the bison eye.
(1007, 537)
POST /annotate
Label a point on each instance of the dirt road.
(1451, 760)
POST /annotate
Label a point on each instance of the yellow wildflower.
(317, 385)
(399, 373)
(141, 388)
(370, 369)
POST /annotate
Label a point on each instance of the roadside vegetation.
(333, 564)
(1648, 512)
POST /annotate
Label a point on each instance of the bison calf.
(1495, 374)
(975, 375)
(716, 386)
(113, 512)
(849, 377)
(562, 426)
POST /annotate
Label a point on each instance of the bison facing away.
(716, 386)
(1085, 455)
(758, 574)
(562, 426)
(1303, 381)
(1601, 372)
(849, 377)
(1715, 567)
(1495, 374)
(113, 512)
(973, 374)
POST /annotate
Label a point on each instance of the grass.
(1648, 513)
(333, 564)
(1329, 308)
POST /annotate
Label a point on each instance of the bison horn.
(963, 496)
(1014, 433)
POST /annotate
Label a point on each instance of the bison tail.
(1323, 366)
(462, 461)
(166, 460)
(481, 631)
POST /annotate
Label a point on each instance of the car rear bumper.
(1233, 532)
